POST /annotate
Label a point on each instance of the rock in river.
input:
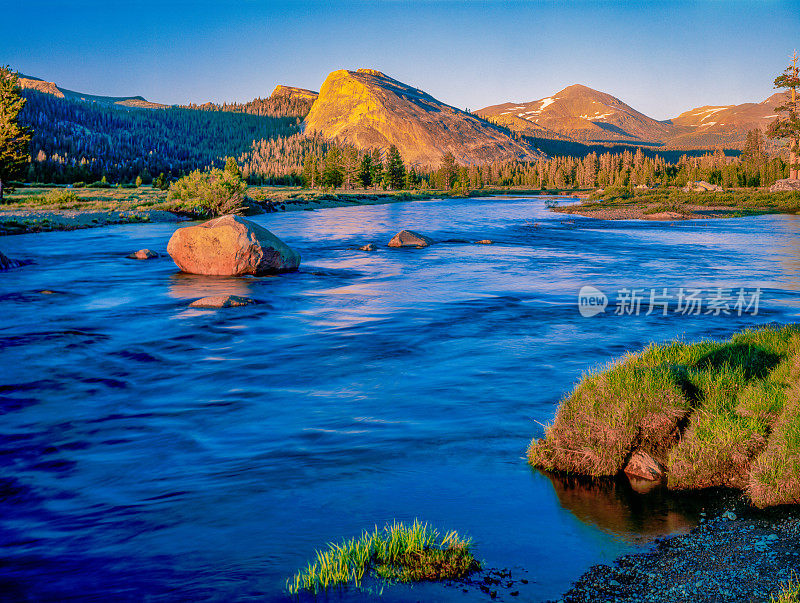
(230, 246)
(6, 263)
(143, 254)
(644, 466)
(222, 301)
(409, 238)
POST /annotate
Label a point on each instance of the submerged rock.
(643, 466)
(231, 246)
(787, 184)
(368, 247)
(222, 301)
(143, 254)
(409, 238)
(6, 263)
(484, 242)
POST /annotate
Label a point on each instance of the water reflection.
(632, 512)
(192, 286)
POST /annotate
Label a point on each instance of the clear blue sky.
(660, 57)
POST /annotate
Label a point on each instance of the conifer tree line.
(77, 141)
(81, 141)
(279, 106)
(317, 163)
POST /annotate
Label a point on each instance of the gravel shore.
(742, 555)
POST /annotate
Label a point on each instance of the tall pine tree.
(395, 170)
(377, 168)
(365, 170)
(788, 125)
(14, 139)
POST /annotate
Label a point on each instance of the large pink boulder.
(230, 246)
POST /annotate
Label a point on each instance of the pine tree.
(788, 126)
(365, 170)
(333, 172)
(377, 168)
(309, 171)
(14, 139)
(448, 171)
(395, 170)
(232, 168)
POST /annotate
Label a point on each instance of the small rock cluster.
(143, 254)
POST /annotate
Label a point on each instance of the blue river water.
(149, 451)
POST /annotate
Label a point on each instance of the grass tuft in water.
(789, 591)
(398, 552)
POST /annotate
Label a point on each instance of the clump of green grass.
(789, 591)
(396, 553)
(59, 198)
(713, 413)
(608, 414)
(775, 477)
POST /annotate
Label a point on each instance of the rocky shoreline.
(744, 554)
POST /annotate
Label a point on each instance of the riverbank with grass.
(697, 415)
(675, 204)
(398, 553)
(42, 209)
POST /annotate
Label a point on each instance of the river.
(152, 451)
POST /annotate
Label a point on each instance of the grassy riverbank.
(710, 413)
(32, 209)
(674, 204)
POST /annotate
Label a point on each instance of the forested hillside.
(80, 141)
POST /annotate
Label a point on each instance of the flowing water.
(151, 451)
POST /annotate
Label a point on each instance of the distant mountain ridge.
(579, 113)
(582, 114)
(725, 125)
(138, 102)
(372, 110)
(294, 93)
